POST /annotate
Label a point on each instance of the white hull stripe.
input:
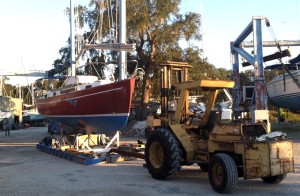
(78, 97)
(87, 116)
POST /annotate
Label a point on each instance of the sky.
(33, 31)
(223, 21)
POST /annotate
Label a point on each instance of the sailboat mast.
(32, 94)
(72, 40)
(1, 85)
(122, 40)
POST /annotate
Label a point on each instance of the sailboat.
(284, 90)
(87, 101)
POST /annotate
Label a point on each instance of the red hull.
(91, 106)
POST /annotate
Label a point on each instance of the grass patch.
(285, 115)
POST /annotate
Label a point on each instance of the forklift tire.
(274, 179)
(222, 173)
(163, 154)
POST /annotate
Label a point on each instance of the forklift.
(242, 147)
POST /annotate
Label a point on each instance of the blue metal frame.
(256, 60)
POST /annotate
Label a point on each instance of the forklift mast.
(175, 78)
(172, 73)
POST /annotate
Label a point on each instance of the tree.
(7, 89)
(157, 27)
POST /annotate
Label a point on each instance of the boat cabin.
(75, 83)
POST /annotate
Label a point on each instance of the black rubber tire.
(163, 154)
(274, 179)
(222, 173)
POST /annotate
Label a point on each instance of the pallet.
(82, 158)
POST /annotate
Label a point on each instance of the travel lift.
(226, 150)
(257, 101)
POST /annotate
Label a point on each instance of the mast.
(1, 85)
(122, 40)
(32, 95)
(72, 40)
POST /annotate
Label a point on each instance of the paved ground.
(26, 171)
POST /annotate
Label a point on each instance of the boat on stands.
(97, 104)
(284, 90)
(85, 101)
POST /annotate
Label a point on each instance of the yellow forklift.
(226, 150)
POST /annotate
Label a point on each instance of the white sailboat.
(284, 90)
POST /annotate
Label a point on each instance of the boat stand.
(79, 142)
(89, 148)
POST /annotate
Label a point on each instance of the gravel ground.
(24, 170)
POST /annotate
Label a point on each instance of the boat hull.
(288, 97)
(103, 108)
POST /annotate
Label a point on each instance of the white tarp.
(271, 136)
(6, 114)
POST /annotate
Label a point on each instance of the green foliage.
(60, 64)
(157, 27)
(288, 116)
(248, 77)
(270, 74)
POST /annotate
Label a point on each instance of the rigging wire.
(297, 12)
(96, 71)
(108, 16)
(101, 6)
(96, 33)
(284, 68)
(26, 76)
(117, 11)
(273, 35)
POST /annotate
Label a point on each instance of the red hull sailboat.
(86, 101)
(105, 107)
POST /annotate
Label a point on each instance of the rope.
(268, 24)
(96, 71)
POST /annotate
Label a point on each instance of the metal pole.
(20, 92)
(236, 78)
(72, 39)
(164, 90)
(32, 94)
(122, 39)
(272, 43)
(261, 101)
(278, 114)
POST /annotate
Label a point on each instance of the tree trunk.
(146, 80)
(145, 99)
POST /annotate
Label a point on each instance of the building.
(11, 110)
